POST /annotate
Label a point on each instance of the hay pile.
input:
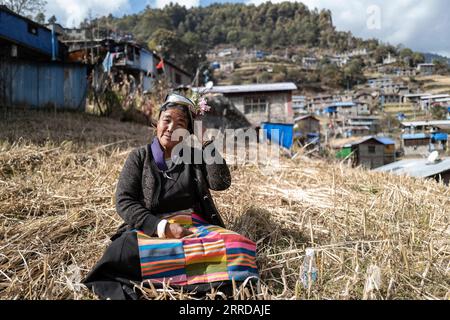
(376, 236)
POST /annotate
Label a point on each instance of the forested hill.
(267, 25)
(188, 32)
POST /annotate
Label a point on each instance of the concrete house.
(427, 101)
(426, 69)
(307, 129)
(299, 105)
(320, 102)
(414, 98)
(416, 143)
(347, 109)
(372, 123)
(128, 57)
(270, 103)
(389, 60)
(390, 98)
(423, 137)
(310, 63)
(379, 82)
(424, 143)
(373, 152)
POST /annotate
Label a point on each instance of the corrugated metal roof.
(415, 136)
(426, 123)
(357, 128)
(416, 95)
(41, 85)
(443, 99)
(283, 86)
(305, 117)
(343, 104)
(361, 123)
(382, 140)
(436, 96)
(420, 168)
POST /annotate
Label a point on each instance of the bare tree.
(24, 7)
(40, 18)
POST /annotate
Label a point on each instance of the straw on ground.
(376, 236)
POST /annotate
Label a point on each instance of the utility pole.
(98, 34)
(92, 40)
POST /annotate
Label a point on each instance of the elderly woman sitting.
(173, 232)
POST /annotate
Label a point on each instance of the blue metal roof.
(385, 140)
(415, 136)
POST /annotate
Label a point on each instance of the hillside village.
(396, 109)
(75, 101)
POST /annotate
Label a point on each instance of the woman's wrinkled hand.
(176, 231)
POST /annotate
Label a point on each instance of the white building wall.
(146, 62)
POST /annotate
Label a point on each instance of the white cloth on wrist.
(162, 229)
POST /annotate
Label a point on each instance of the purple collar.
(158, 155)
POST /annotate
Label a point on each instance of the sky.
(422, 25)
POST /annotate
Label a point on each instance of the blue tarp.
(260, 54)
(313, 138)
(439, 136)
(279, 133)
(331, 110)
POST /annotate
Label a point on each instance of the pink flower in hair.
(203, 106)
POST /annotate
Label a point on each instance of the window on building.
(130, 53)
(255, 105)
(32, 29)
(371, 149)
(177, 78)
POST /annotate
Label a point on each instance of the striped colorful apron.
(210, 254)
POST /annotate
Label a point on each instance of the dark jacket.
(139, 184)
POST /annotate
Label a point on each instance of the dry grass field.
(375, 236)
(436, 84)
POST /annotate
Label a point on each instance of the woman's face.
(170, 120)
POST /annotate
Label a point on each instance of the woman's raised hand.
(176, 231)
